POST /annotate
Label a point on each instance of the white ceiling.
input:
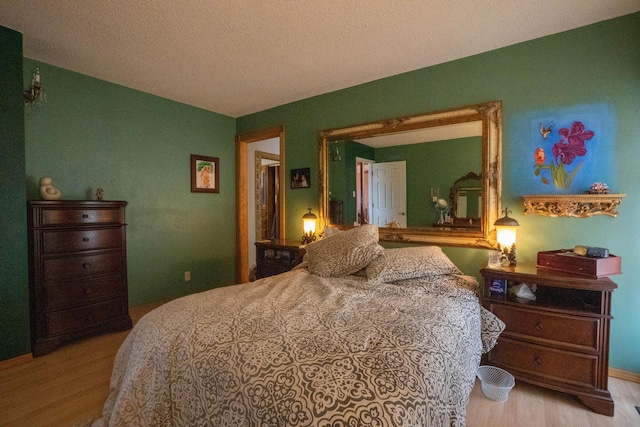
(418, 136)
(237, 57)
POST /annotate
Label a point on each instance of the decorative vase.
(48, 191)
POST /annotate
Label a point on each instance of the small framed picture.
(300, 178)
(205, 174)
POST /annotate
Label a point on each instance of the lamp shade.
(309, 226)
(506, 235)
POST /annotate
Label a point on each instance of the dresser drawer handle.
(539, 326)
(86, 265)
(86, 239)
(85, 216)
(537, 361)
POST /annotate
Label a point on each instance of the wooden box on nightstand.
(559, 341)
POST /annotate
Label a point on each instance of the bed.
(357, 335)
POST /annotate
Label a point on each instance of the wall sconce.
(506, 236)
(35, 95)
(309, 225)
(334, 155)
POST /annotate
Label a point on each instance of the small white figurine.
(48, 191)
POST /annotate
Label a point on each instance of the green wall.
(137, 147)
(14, 290)
(595, 64)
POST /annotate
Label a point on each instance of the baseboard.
(624, 375)
(9, 363)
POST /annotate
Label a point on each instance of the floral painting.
(562, 151)
(560, 168)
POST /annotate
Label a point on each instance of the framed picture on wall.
(205, 174)
(300, 178)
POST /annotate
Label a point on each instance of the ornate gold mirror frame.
(490, 114)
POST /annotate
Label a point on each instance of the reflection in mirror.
(267, 187)
(393, 173)
(466, 201)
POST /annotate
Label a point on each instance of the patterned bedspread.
(302, 350)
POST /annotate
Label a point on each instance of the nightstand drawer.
(81, 216)
(75, 319)
(79, 267)
(58, 241)
(544, 362)
(72, 294)
(542, 326)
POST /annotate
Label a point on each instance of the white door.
(389, 193)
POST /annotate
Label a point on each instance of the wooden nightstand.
(277, 256)
(559, 341)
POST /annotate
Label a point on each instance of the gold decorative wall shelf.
(572, 205)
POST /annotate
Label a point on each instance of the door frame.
(242, 204)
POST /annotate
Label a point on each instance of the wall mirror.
(403, 174)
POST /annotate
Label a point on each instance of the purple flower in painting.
(572, 143)
(567, 152)
(576, 135)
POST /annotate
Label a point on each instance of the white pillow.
(409, 262)
(344, 253)
(329, 231)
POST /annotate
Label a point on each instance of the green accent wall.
(137, 147)
(599, 63)
(14, 289)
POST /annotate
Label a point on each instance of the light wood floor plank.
(68, 387)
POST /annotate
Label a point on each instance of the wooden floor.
(68, 387)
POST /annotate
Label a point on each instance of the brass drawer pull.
(86, 265)
(85, 216)
(537, 361)
(539, 326)
(86, 239)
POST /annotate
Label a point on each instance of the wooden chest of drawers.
(78, 271)
(560, 340)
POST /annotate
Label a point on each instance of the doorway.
(246, 145)
(389, 194)
(267, 188)
(363, 190)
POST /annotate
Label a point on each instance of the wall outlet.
(187, 276)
